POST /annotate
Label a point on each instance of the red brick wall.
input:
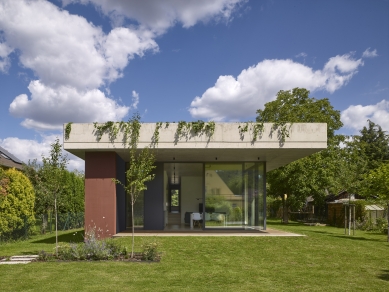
(100, 192)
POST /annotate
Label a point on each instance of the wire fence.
(44, 223)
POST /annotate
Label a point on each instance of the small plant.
(43, 256)
(210, 128)
(257, 130)
(150, 251)
(243, 129)
(381, 225)
(155, 138)
(68, 129)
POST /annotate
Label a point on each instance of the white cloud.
(159, 15)
(135, 99)
(72, 59)
(355, 116)
(369, 54)
(233, 98)
(302, 54)
(26, 150)
(5, 62)
(48, 108)
(66, 49)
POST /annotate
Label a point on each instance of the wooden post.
(349, 219)
(354, 220)
(345, 219)
(387, 213)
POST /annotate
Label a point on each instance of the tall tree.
(295, 106)
(312, 175)
(375, 143)
(140, 169)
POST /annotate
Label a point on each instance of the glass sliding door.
(223, 195)
(254, 195)
(234, 195)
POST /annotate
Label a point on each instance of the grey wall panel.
(153, 201)
(120, 195)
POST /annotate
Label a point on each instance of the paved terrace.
(251, 233)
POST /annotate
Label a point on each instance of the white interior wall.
(191, 190)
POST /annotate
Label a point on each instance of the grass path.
(324, 260)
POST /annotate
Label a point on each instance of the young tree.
(52, 174)
(140, 168)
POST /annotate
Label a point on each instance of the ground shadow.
(384, 275)
(68, 237)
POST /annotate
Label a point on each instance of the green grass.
(324, 260)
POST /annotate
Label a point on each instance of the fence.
(45, 223)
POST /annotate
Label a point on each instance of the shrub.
(150, 250)
(92, 248)
(16, 205)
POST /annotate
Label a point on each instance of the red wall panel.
(100, 192)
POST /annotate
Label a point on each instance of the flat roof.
(226, 144)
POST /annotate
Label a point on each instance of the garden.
(322, 260)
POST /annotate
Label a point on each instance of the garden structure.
(221, 175)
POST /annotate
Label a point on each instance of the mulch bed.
(137, 258)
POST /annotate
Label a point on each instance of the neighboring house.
(336, 205)
(224, 173)
(7, 160)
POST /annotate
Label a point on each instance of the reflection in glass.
(234, 196)
(223, 195)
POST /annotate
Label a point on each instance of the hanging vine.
(196, 128)
(68, 129)
(183, 128)
(155, 138)
(256, 129)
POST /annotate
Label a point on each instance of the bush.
(16, 205)
(366, 224)
(150, 251)
(92, 248)
(381, 225)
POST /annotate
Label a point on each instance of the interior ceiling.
(183, 169)
(274, 158)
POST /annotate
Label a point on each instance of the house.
(7, 160)
(336, 206)
(222, 175)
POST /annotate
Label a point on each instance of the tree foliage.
(375, 144)
(71, 195)
(312, 175)
(295, 106)
(377, 182)
(16, 204)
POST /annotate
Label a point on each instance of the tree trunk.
(133, 228)
(56, 227)
(387, 213)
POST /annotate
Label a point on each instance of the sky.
(88, 61)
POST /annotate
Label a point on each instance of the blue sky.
(98, 60)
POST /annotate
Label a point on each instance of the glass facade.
(234, 195)
(229, 196)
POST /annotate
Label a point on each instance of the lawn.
(324, 260)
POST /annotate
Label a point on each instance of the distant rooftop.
(8, 160)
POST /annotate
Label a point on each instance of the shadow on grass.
(384, 275)
(270, 224)
(67, 237)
